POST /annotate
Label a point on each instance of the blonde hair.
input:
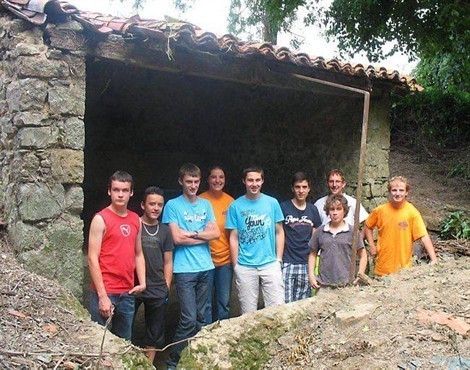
(402, 179)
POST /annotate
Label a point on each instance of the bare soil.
(390, 336)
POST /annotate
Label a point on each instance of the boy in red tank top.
(114, 254)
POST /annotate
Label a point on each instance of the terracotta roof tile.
(189, 35)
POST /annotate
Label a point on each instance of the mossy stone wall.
(42, 105)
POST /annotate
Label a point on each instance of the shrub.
(456, 226)
(433, 117)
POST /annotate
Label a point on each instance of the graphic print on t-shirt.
(293, 221)
(196, 216)
(125, 230)
(256, 227)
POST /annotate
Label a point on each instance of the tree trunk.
(270, 30)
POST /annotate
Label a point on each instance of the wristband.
(196, 235)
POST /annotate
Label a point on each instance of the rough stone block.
(61, 256)
(37, 137)
(40, 201)
(26, 165)
(41, 67)
(25, 49)
(65, 39)
(67, 99)
(379, 189)
(77, 64)
(67, 165)
(74, 199)
(25, 237)
(54, 54)
(30, 119)
(70, 26)
(7, 129)
(18, 26)
(26, 94)
(72, 133)
(358, 313)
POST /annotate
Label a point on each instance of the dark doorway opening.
(150, 122)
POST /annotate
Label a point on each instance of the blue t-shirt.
(255, 221)
(190, 217)
(298, 225)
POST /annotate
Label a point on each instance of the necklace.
(149, 233)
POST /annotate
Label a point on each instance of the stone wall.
(42, 105)
(376, 174)
(378, 147)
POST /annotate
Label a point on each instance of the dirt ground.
(433, 192)
(389, 336)
(44, 327)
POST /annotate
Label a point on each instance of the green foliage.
(444, 70)
(456, 226)
(418, 27)
(434, 117)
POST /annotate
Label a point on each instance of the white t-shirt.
(320, 204)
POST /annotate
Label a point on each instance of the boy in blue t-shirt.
(192, 225)
(256, 243)
(301, 219)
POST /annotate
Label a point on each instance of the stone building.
(82, 95)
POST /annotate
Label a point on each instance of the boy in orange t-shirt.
(399, 224)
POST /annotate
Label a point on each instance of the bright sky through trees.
(211, 15)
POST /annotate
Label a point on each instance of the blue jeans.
(193, 294)
(220, 289)
(124, 306)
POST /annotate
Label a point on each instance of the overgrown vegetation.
(436, 122)
(456, 226)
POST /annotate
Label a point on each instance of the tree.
(269, 17)
(436, 31)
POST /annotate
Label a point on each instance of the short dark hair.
(121, 176)
(189, 169)
(214, 167)
(300, 176)
(335, 171)
(253, 168)
(151, 190)
(336, 198)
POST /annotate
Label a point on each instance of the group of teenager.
(205, 242)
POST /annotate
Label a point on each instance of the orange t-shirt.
(220, 248)
(398, 229)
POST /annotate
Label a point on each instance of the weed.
(456, 226)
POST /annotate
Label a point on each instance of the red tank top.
(117, 256)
